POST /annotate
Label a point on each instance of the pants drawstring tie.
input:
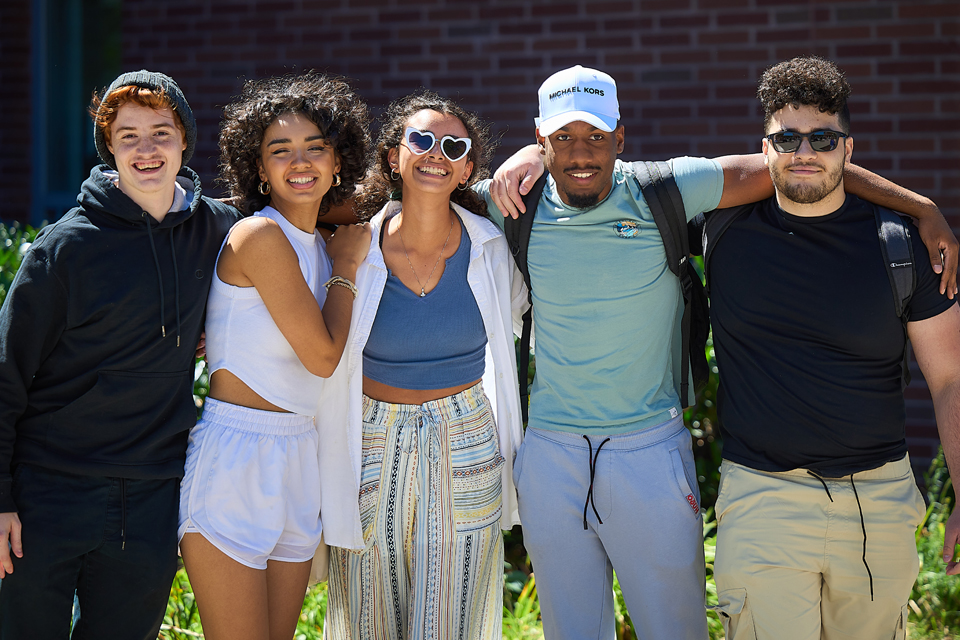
(593, 470)
(863, 525)
(123, 514)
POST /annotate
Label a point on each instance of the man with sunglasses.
(605, 412)
(818, 504)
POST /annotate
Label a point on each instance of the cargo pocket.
(734, 612)
(476, 465)
(371, 468)
(902, 624)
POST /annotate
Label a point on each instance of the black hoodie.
(98, 335)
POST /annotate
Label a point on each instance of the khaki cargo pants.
(790, 553)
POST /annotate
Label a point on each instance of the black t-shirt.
(808, 342)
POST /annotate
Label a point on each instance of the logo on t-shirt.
(626, 228)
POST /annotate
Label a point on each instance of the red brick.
(920, 184)
(930, 48)
(501, 12)
(931, 125)
(686, 56)
(874, 88)
(724, 110)
(504, 46)
(544, 44)
(909, 10)
(347, 19)
(878, 49)
(451, 48)
(928, 163)
(784, 35)
(628, 23)
(930, 86)
(585, 26)
(666, 111)
(723, 37)
(397, 49)
(737, 19)
(684, 128)
(716, 148)
(675, 39)
(906, 30)
(950, 67)
(608, 42)
(897, 145)
(520, 28)
(842, 33)
(664, 5)
(628, 59)
(611, 7)
(741, 55)
(401, 84)
(874, 126)
(686, 22)
(714, 74)
(791, 51)
(420, 33)
(521, 63)
(394, 17)
(553, 10)
(906, 106)
(736, 91)
(469, 64)
(950, 28)
(684, 92)
(664, 150)
(918, 67)
(418, 66)
(568, 60)
(450, 14)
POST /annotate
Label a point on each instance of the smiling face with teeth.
(580, 157)
(148, 148)
(431, 172)
(298, 163)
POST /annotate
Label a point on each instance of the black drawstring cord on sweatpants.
(123, 514)
(593, 471)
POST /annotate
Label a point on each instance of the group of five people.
(363, 386)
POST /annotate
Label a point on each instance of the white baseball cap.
(576, 94)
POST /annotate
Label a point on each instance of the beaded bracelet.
(340, 281)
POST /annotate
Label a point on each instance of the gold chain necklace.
(423, 293)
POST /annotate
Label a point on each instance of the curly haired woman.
(434, 453)
(277, 321)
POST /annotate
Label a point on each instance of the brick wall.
(14, 110)
(686, 71)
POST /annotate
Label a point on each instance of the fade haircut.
(805, 81)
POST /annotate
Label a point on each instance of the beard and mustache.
(805, 193)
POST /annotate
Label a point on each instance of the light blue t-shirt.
(606, 309)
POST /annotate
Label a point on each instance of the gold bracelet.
(340, 281)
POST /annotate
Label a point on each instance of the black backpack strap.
(716, 222)
(666, 204)
(897, 249)
(517, 232)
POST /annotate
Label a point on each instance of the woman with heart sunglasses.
(432, 337)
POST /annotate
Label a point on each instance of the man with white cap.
(606, 475)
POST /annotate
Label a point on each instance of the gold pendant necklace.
(423, 292)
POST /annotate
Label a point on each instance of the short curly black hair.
(805, 80)
(327, 101)
(379, 186)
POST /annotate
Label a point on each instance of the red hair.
(104, 109)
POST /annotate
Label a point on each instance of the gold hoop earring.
(336, 178)
(264, 188)
(394, 177)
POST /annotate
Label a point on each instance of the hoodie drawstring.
(176, 282)
(123, 514)
(176, 278)
(863, 525)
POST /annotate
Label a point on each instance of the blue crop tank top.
(433, 342)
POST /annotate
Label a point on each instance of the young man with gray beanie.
(605, 475)
(97, 343)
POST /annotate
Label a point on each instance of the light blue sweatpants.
(646, 495)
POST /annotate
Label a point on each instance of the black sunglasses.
(820, 141)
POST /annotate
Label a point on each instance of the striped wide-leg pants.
(430, 504)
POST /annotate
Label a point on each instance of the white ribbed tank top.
(244, 339)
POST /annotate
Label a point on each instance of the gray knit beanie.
(155, 81)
